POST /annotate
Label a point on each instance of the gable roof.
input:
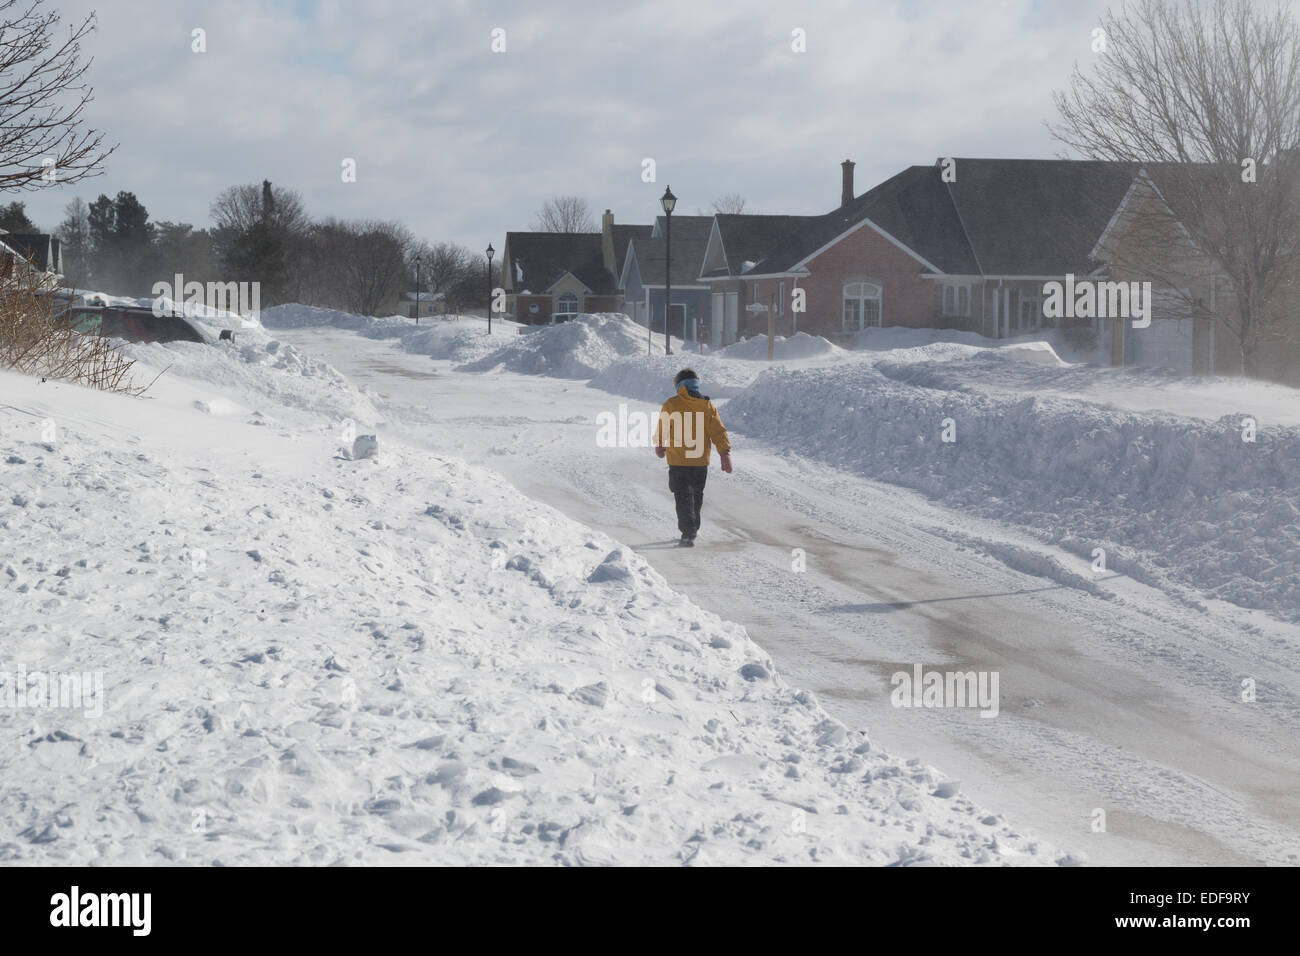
(623, 235)
(542, 258)
(682, 224)
(913, 207)
(41, 249)
(1037, 216)
(749, 237)
(690, 238)
(1030, 217)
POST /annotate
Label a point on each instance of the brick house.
(737, 241)
(564, 273)
(976, 253)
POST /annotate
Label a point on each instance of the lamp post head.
(668, 201)
(490, 251)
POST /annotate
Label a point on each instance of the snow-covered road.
(1115, 696)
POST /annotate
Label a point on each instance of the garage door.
(1166, 343)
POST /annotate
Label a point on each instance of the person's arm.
(660, 450)
(717, 433)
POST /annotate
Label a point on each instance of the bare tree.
(362, 264)
(441, 264)
(240, 208)
(1206, 97)
(260, 234)
(733, 203)
(443, 268)
(564, 214)
(42, 96)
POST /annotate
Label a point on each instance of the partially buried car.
(131, 323)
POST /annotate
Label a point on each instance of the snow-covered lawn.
(308, 659)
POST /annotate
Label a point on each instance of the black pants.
(686, 482)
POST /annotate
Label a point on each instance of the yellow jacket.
(687, 426)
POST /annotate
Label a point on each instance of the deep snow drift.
(801, 345)
(460, 339)
(649, 378)
(309, 659)
(580, 348)
(1172, 500)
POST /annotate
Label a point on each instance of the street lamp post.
(490, 253)
(417, 290)
(669, 202)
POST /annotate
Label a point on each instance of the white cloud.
(464, 144)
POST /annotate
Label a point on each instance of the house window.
(567, 302)
(861, 305)
(956, 300)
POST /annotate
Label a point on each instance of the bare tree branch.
(1205, 95)
(564, 214)
(730, 203)
(42, 97)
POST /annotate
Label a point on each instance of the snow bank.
(901, 337)
(1173, 501)
(649, 378)
(580, 348)
(459, 342)
(801, 345)
(262, 368)
(462, 340)
(1037, 353)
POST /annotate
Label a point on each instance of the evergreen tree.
(13, 218)
(74, 233)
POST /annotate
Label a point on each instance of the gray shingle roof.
(690, 237)
(543, 257)
(913, 206)
(622, 236)
(1037, 216)
(1000, 216)
(748, 238)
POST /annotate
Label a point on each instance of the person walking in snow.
(688, 425)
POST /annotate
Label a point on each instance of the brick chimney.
(846, 190)
(607, 241)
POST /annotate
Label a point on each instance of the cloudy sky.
(462, 143)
